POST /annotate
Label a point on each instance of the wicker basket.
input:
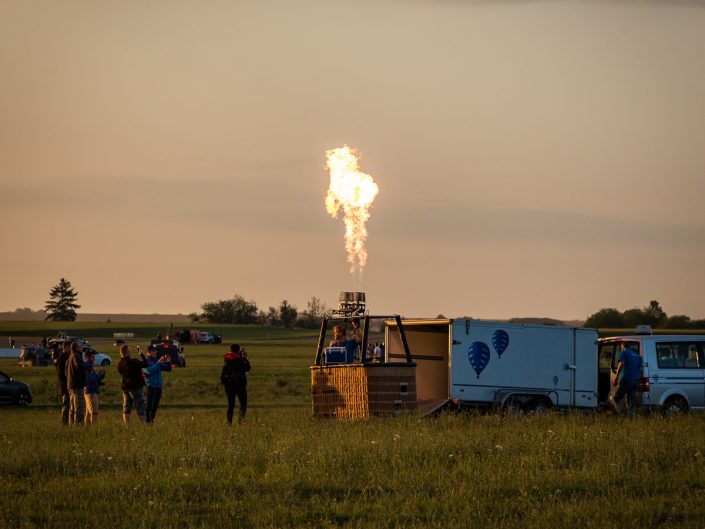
(357, 391)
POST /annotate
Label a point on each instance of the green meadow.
(282, 468)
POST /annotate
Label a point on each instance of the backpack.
(229, 374)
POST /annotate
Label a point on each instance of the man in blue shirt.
(340, 339)
(626, 379)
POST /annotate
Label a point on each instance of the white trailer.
(506, 365)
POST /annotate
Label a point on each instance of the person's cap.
(151, 348)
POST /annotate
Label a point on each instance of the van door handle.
(567, 367)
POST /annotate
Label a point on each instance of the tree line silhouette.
(653, 314)
(240, 310)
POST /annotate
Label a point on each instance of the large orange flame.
(353, 192)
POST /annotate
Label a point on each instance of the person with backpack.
(234, 380)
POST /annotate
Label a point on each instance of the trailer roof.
(448, 321)
(420, 321)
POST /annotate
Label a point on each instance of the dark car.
(14, 391)
(171, 348)
(59, 340)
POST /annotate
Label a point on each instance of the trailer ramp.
(429, 407)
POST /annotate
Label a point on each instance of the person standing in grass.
(154, 380)
(626, 379)
(76, 384)
(61, 356)
(132, 382)
(94, 379)
(234, 380)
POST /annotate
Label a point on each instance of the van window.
(680, 355)
(606, 354)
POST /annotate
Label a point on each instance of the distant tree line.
(239, 310)
(653, 315)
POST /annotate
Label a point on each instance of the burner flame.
(353, 192)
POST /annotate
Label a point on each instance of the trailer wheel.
(513, 407)
(675, 406)
(540, 406)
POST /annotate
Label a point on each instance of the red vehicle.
(172, 348)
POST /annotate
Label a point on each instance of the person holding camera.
(234, 380)
(154, 380)
(130, 370)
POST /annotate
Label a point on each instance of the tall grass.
(284, 469)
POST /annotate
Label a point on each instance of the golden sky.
(533, 157)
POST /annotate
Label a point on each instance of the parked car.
(209, 337)
(58, 340)
(172, 348)
(14, 392)
(673, 378)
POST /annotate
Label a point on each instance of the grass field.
(282, 468)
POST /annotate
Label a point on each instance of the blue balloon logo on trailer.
(479, 356)
(500, 341)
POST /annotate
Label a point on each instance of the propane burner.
(351, 304)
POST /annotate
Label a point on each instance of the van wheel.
(105, 362)
(539, 407)
(513, 407)
(675, 406)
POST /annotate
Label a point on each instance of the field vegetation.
(282, 468)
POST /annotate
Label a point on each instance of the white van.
(674, 369)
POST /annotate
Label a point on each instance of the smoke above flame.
(353, 192)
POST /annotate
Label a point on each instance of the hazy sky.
(533, 157)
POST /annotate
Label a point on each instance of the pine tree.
(62, 305)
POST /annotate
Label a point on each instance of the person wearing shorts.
(94, 379)
(76, 384)
(130, 370)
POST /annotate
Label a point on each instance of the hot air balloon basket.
(360, 391)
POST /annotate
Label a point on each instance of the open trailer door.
(429, 341)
